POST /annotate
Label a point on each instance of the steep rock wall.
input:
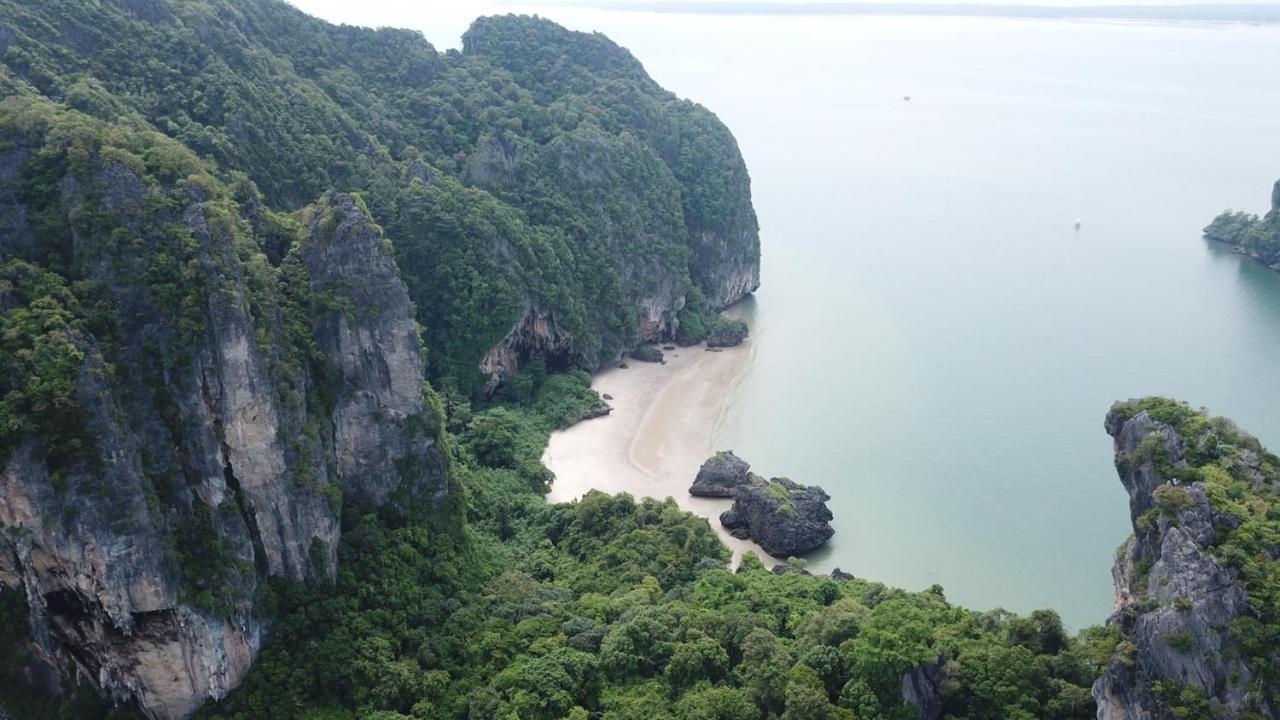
(1175, 599)
(228, 408)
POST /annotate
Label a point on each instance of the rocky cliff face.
(228, 409)
(1178, 599)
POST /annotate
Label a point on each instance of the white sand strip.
(663, 426)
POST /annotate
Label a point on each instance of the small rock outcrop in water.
(1248, 234)
(647, 353)
(721, 474)
(783, 517)
(1179, 600)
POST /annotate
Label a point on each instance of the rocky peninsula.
(1248, 234)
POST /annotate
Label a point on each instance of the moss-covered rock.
(647, 353)
(784, 517)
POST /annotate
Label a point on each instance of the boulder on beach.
(647, 353)
(727, 333)
(721, 474)
(785, 518)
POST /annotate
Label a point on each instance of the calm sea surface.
(935, 343)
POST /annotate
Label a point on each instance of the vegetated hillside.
(544, 196)
(1248, 234)
(179, 418)
(226, 230)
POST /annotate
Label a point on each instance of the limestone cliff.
(222, 411)
(1186, 608)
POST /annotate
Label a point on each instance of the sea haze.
(935, 343)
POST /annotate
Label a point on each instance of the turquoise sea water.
(935, 342)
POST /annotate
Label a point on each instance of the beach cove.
(663, 426)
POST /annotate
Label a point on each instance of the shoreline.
(663, 426)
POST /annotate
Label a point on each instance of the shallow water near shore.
(935, 342)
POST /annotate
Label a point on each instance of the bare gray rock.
(721, 474)
(921, 688)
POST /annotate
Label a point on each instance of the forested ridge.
(536, 170)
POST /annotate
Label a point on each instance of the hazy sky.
(444, 21)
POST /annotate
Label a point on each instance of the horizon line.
(1234, 12)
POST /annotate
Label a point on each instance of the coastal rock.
(788, 569)
(785, 518)
(727, 333)
(721, 474)
(1248, 234)
(1175, 601)
(647, 353)
(838, 574)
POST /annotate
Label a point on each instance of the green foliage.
(539, 170)
(622, 609)
(698, 321)
(1181, 641)
(511, 438)
(42, 350)
(1241, 480)
(1249, 234)
(1173, 500)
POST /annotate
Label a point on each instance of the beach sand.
(662, 428)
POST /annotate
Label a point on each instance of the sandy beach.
(663, 426)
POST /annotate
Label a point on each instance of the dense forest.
(536, 172)
(288, 312)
